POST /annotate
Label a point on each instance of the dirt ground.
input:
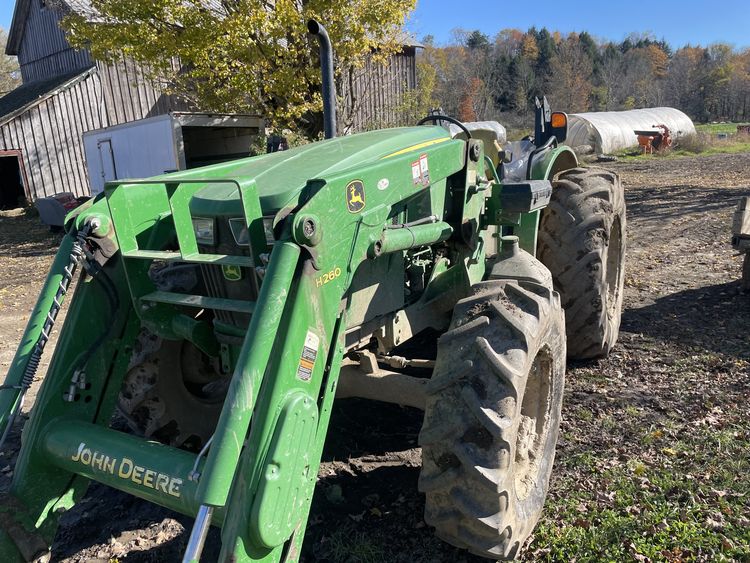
(683, 357)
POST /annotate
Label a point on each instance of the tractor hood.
(281, 176)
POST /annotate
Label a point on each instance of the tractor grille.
(217, 284)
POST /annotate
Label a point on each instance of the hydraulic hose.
(77, 255)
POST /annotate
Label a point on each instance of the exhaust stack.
(326, 67)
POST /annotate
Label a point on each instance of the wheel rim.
(614, 266)
(198, 375)
(534, 424)
(174, 396)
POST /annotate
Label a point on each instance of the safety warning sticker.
(420, 172)
(416, 175)
(424, 169)
(309, 353)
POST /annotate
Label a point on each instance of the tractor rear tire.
(492, 417)
(582, 242)
(172, 393)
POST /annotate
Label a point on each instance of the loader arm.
(258, 478)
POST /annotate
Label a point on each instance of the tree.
(685, 82)
(643, 70)
(570, 82)
(610, 78)
(10, 76)
(739, 87)
(508, 41)
(418, 102)
(477, 40)
(243, 55)
(525, 80)
(543, 63)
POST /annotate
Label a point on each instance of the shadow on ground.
(714, 318)
(678, 201)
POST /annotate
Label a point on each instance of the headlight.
(241, 236)
(239, 232)
(204, 231)
(268, 230)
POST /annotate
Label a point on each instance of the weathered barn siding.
(129, 95)
(48, 130)
(376, 93)
(49, 133)
(44, 51)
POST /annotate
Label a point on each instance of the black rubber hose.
(110, 291)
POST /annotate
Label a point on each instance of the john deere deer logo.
(231, 272)
(355, 196)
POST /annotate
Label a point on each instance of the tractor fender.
(549, 163)
(544, 166)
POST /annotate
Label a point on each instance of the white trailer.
(165, 143)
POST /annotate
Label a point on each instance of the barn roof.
(21, 13)
(32, 93)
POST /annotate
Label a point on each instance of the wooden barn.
(375, 93)
(66, 93)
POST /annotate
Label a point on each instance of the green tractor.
(222, 310)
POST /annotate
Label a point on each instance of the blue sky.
(678, 21)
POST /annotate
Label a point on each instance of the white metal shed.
(164, 143)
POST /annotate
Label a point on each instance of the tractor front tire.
(172, 392)
(492, 417)
(582, 242)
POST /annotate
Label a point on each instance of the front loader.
(219, 310)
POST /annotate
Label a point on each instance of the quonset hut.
(611, 131)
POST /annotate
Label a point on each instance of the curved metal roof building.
(611, 131)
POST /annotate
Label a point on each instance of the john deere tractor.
(221, 311)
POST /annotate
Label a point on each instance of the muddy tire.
(492, 417)
(582, 242)
(172, 393)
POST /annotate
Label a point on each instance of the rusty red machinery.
(657, 139)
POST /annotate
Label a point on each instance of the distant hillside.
(478, 77)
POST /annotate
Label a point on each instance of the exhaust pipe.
(329, 88)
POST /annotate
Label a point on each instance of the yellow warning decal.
(307, 358)
(416, 147)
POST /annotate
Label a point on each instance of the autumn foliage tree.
(570, 80)
(499, 78)
(242, 55)
(467, 106)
